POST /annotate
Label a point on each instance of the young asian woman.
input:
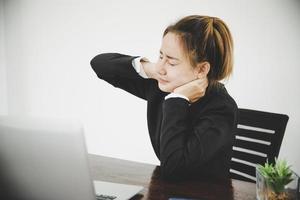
(191, 117)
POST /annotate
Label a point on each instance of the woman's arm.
(183, 148)
(117, 69)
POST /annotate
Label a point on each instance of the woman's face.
(173, 67)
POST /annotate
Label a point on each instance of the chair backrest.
(258, 139)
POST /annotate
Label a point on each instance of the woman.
(191, 117)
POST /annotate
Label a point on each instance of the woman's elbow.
(96, 63)
(100, 63)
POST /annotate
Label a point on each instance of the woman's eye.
(161, 57)
(172, 64)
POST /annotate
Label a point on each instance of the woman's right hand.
(149, 69)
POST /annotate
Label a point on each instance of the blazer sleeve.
(117, 69)
(184, 148)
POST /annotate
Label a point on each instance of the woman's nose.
(161, 68)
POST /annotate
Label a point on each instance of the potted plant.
(273, 180)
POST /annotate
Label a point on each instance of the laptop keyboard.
(105, 197)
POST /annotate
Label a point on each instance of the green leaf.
(277, 175)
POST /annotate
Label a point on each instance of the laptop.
(47, 159)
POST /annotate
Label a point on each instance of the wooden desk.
(147, 175)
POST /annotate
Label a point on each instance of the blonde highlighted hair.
(206, 38)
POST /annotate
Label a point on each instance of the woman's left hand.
(193, 90)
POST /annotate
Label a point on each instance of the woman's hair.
(206, 38)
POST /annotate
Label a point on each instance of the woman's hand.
(149, 69)
(193, 90)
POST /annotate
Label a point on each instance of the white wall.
(50, 44)
(3, 86)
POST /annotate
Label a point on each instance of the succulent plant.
(277, 175)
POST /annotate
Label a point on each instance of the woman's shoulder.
(219, 92)
(217, 98)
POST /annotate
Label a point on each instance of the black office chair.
(258, 139)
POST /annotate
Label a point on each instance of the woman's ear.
(203, 69)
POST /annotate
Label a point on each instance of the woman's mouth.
(162, 81)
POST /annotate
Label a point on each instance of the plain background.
(46, 48)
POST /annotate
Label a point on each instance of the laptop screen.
(43, 159)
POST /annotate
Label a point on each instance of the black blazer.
(190, 140)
